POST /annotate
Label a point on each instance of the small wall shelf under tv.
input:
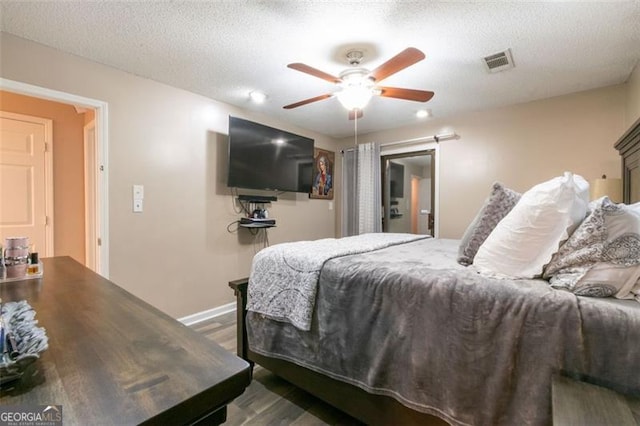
(256, 225)
(257, 215)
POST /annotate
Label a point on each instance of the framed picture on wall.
(322, 184)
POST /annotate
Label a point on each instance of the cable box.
(248, 220)
(258, 199)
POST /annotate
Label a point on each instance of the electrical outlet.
(137, 206)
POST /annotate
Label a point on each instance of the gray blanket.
(409, 322)
(284, 277)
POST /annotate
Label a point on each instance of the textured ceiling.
(224, 49)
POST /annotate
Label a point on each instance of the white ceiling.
(224, 49)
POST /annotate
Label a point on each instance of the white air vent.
(498, 61)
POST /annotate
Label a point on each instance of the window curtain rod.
(435, 138)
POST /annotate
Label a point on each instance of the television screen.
(261, 157)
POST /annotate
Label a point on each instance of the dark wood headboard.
(629, 147)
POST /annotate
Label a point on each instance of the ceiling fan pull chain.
(355, 125)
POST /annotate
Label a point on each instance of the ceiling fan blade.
(399, 62)
(355, 113)
(408, 94)
(314, 72)
(308, 101)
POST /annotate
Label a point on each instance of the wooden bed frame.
(370, 408)
(377, 409)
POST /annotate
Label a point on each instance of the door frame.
(47, 124)
(102, 143)
(393, 150)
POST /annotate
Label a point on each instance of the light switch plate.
(138, 192)
(137, 206)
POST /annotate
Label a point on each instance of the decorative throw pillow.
(602, 256)
(608, 279)
(496, 206)
(524, 241)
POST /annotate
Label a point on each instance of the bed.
(396, 330)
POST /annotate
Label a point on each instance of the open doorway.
(408, 192)
(95, 133)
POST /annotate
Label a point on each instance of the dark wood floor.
(269, 400)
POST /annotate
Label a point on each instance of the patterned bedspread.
(407, 321)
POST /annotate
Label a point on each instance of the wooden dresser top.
(114, 359)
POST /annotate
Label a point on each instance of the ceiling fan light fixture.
(358, 85)
(356, 77)
(354, 97)
(357, 88)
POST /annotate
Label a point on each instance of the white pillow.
(524, 241)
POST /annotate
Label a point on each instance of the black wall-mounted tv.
(262, 157)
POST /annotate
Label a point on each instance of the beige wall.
(68, 168)
(520, 146)
(177, 254)
(633, 97)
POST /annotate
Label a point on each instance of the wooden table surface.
(114, 359)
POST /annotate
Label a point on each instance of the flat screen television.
(262, 157)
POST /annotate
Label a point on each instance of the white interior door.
(26, 180)
(91, 200)
(424, 187)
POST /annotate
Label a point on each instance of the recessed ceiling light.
(422, 113)
(257, 96)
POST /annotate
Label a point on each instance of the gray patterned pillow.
(602, 257)
(496, 206)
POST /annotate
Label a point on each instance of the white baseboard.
(208, 314)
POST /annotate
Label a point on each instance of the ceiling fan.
(359, 84)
